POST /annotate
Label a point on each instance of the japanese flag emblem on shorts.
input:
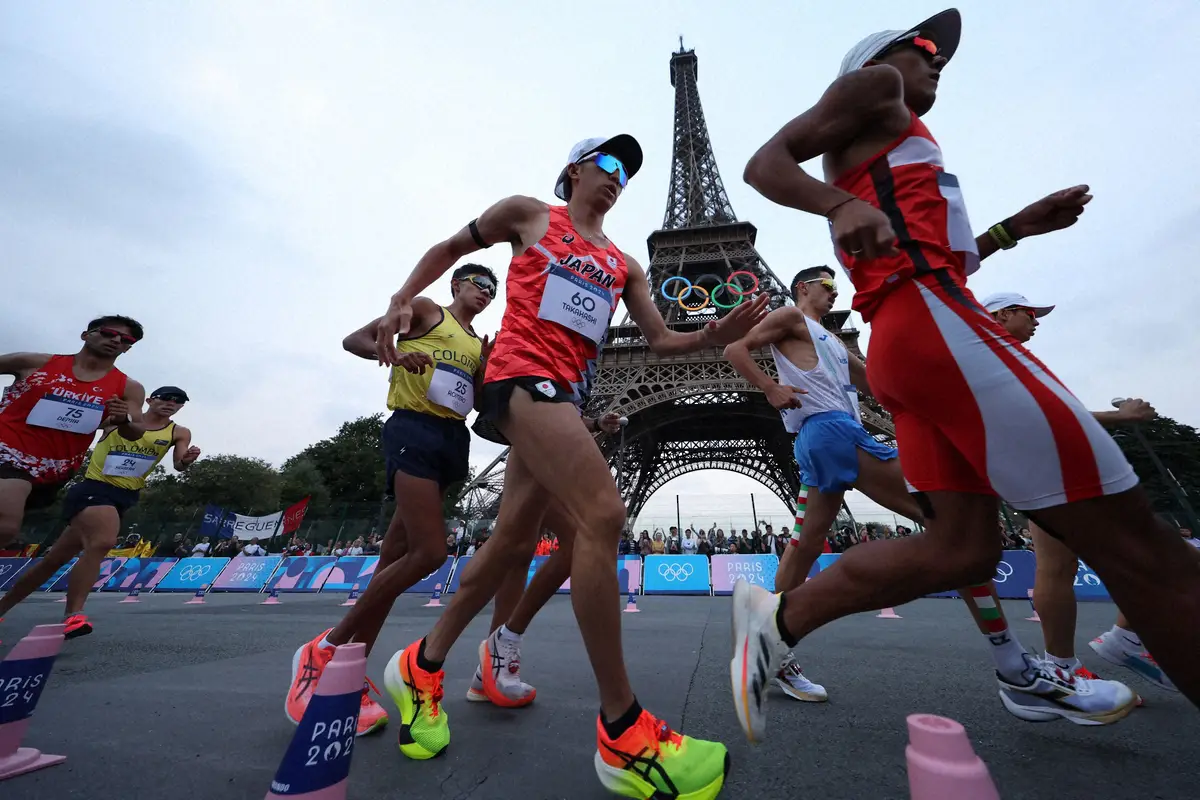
(546, 388)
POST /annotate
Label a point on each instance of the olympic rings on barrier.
(710, 295)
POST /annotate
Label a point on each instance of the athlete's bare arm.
(520, 221)
(184, 454)
(858, 375)
(1130, 412)
(21, 365)
(485, 351)
(425, 315)
(666, 342)
(1052, 213)
(126, 412)
(782, 323)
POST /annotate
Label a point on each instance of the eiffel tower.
(693, 412)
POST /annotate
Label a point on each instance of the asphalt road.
(173, 701)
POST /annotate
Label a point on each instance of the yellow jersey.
(447, 390)
(125, 464)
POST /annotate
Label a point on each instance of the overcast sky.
(253, 180)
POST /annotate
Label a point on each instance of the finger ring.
(855, 252)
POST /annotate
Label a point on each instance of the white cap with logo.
(1002, 300)
(623, 146)
(944, 29)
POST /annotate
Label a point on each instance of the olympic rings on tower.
(710, 295)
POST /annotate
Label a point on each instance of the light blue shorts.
(827, 450)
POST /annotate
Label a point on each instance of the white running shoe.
(758, 652)
(793, 683)
(1051, 692)
(475, 693)
(500, 672)
(1117, 649)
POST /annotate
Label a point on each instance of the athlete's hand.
(737, 323)
(1052, 213)
(394, 323)
(414, 362)
(485, 349)
(610, 423)
(118, 410)
(783, 397)
(190, 456)
(1135, 409)
(863, 231)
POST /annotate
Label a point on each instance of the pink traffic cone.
(435, 601)
(888, 613)
(198, 597)
(942, 765)
(631, 606)
(24, 674)
(1035, 617)
(317, 762)
(353, 598)
(132, 597)
(272, 598)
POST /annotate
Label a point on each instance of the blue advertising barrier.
(10, 568)
(246, 574)
(1088, 585)
(189, 574)
(440, 575)
(108, 567)
(459, 566)
(350, 571)
(57, 576)
(629, 574)
(140, 573)
(675, 575)
(302, 574)
(756, 569)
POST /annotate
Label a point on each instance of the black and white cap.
(623, 146)
(944, 28)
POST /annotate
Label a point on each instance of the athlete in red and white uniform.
(564, 282)
(50, 414)
(977, 416)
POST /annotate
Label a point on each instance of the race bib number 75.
(65, 414)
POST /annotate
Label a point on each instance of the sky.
(253, 180)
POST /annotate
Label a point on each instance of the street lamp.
(1181, 495)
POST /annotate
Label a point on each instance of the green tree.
(350, 461)
(1178, 448)
(451, 507)
(300, 478)
(239, 484)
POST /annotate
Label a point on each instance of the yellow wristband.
(1002, 237)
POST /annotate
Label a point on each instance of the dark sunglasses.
(483, 283)
(927, 45)
(170, 398)
(109, 333)
(611, 165)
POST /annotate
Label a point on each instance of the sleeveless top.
(47, 420)
(125, 464)
(828, 383)
(908, 182)
(562, 293)
(447, 390)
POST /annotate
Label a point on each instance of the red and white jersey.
(909, 183)
(48, 420)
(562, 293)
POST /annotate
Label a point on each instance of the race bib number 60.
(576, 303)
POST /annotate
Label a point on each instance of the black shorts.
(43, 494)
(495, 396)
(89, 493)
(425, 446)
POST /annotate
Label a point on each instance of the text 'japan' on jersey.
(562, 293)
(908, 182)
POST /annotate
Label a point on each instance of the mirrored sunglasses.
(611, 165)
(828, 283)
(483, 283)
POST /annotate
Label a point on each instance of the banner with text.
(144, 573)
(302, 573)
(211, 525)
(756, 569)
(293, 515)
(10, 568)
(190, 574)
(348, 571)
(675, 575)
(247, 528)
(440, 575)
(246, 574)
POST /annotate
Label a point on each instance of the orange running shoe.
(424, 724)
(77, 625)
(652, 761)
(371, 715)
(307, 666)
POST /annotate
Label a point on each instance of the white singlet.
(828, 383)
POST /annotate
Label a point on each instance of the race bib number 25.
(452, 388)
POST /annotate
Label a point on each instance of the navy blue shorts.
(827, 450)
(425, 446)
(89, 493)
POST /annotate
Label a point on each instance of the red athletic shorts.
(975, 412)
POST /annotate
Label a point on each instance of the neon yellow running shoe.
(424, 725)
(652, 761)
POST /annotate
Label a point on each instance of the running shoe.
(758, 653)
(650, 761)
(77, 625)
(1080, 671)
(1051, 692)
(371, 715)
(500, 666)
(308, 664)
(475, 693)
(424, 724)
(793, 683)
(1117, 649)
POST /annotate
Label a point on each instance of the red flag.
(294, 516)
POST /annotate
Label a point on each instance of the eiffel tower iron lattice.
(693, 412)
